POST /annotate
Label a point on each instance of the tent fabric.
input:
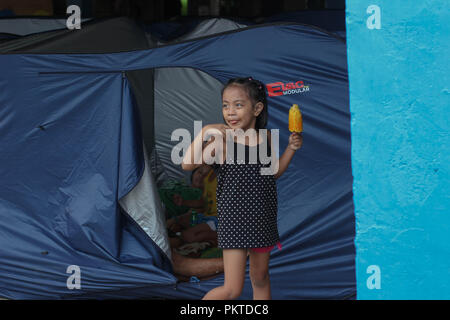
(26, 26)
(66, 163)
(108, 35)
(128, 36)
(205, 28)
(191, 98)
(167, 31)
(330, 20)
(70, 131)
(34, 28)
(143, 205)
(191, 27)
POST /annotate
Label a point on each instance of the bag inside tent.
(315, 215)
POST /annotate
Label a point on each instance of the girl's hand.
(295, 141)
(211, 132)
(216, 128)
(194, 154)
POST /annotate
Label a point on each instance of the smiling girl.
(246, 199)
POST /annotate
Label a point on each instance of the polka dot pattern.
(246, 205)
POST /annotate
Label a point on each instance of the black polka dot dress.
(246, 203)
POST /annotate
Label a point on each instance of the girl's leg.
(259, 275)
(234, 261)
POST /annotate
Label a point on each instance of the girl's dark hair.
(256, 90)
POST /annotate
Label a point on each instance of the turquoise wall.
(399, 66)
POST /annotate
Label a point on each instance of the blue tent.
(73, 166)
(330, 20)
(174, 30)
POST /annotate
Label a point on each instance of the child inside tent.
(196, 229)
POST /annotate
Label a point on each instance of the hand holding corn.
(296, 127)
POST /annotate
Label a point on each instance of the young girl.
(246, 199)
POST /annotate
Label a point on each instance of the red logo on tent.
(279, 88)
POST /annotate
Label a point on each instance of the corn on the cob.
(295, 119)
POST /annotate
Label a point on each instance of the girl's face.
(238, 110)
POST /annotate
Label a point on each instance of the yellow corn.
(295, 119)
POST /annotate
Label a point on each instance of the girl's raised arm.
(194, 152)
(194, 155)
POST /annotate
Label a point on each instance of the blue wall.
(400, 108)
